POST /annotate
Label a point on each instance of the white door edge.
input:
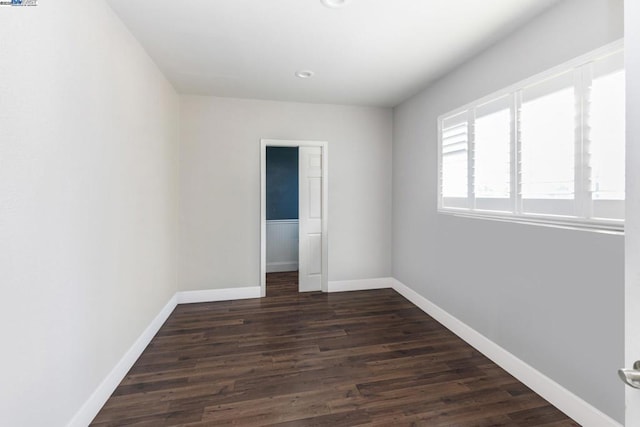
(632, 205)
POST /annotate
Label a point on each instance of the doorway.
(282, 220)
(312, 224)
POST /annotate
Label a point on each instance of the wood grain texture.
(347, 359)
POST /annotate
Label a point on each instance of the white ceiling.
(371, 52)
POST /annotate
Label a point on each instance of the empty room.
(320, 212)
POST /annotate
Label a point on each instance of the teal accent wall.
(282, 183)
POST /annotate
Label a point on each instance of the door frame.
(632, 205)
(264, 143)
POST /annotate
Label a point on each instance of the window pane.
(493, 150)
(455, 138)
(607, 136)
(548, 122)
(454, 173)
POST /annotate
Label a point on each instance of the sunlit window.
(606, 122)
(455, 139)
(549, 149)
(492, 152)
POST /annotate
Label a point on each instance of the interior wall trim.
(99, 397)
(563, 399)
(566, 401)
(360, 285)
(213, 295)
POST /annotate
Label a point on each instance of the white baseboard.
(361, 285)
(572, 405)
(276, 267)
(96, 401)
(212, 295)
(563, 399)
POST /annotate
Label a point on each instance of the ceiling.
(370, 52)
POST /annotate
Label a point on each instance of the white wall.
(220, 186)
(552, 297)
(88, 182)
(632, 224)
(282, 245)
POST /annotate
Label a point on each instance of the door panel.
(310, 214)
(315, 202)
(315, 254)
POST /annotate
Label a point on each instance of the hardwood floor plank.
(349, 359)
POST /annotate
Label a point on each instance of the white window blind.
(455, 140)
(549, 149)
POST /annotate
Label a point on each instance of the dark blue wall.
(282, 183)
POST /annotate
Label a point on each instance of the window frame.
(579, 67)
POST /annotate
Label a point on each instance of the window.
(607, 137)
(549, 149)
(455, 140)
(492, 152)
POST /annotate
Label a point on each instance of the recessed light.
(335, 3)
(304, 74)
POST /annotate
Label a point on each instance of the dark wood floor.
(346, 359)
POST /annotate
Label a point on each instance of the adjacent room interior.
(282, 220)
(317, 211)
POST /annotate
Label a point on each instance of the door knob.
(631, 377)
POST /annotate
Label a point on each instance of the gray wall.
(553, 297)
(220, 186)
(88, 203)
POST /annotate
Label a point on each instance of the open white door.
(310, 219)
(313, 175)
(632, 216)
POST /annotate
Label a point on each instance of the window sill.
(613, 227)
